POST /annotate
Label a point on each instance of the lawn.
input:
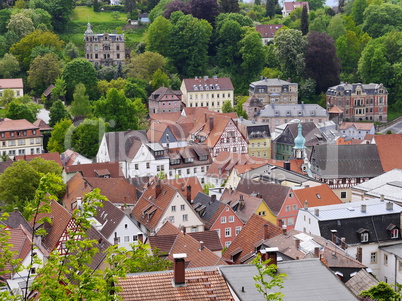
(85, 14)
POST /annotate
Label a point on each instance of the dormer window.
(395, 233)
(364, 234)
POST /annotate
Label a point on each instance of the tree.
(71, 51)
(336, 27)
(115, 15)
(227, 107)
(230, 6)
(267, 279)
(87, 136)
(44, 70)
(205, 9)
(316, 4)
(158, 36)
(96, 6)
(145, 64)
(358, 9)
(61, 10)
(304, 21)
(119, 111)
(129, 6)
(81, 104)
(27, 175)
(134, 90)
(290, 51)
(252, 54)
(58, 142)
(159, 79)
(381, 292)
(58, 92)
(381, 19)
(322, 63)
(227, 38)
(79, 71)
(21, 25)
(9, 66)
(57, 112)
(23, 49)
(5, 15)
(7, 98)
(17, 110)
(270, 8)
(176, 5)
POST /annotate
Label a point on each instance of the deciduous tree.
(381, 19)
(205, 9)
(57, 142)
(9, 66)
(158, 36)
(159, 79)
(381, 292)
(358, 9)
(21, 25)
(177, 5)
(230, 6)
(58, 112)
(145, 64)
(87, 136)
(17, 110)
(81, 104)
(227, 107)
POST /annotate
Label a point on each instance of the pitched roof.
(209, 238)
(15, 219)
(16, 125)
(335, 110)
(110, 217)
(293, 111)
(344, 161)
(208, 210)
(310, 132)
(362, 126)
(112, 169)
(202, 284)
(290, 6)
(70, 157)
(158, 129)
(48, 90)
(362, 281)
(320, 195)
(124, 145)
(268, 31)
(11, 83)
(76, 187)
(163, 94)
(250, 237)
(218, 83)
(182, 184)
(46, 156)
(389, 149)
(43, 126)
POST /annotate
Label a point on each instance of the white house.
(357, 130)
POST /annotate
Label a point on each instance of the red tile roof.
(76, 187)
(46, 156)
(253, 234)
(290, 6)
(93, 169)
(224, 83)
(268, 31)
(389, 149)
(315, 196)
(11, 83)
(43, 126)
(336, 110)
(201, 285)
(182, 183)
(16, 125)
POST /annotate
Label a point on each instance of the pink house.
(288, 7)
(164, 100)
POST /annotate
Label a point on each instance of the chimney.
(390, 206)
(15, 209)
(189, 194)
(241, 202)
(213, 198)
(79, 203)
(333, 238)
(158, 188)
(284, 229)
(316, 211)
(211, 123)
(115, 239)
(343, 243)
(272, 255)
(381, 197)
(179, 269)
(359, 254)
(140, 237)
(205, 117)
(363, 208)
(264, 255)
(305, 205)
(286, 165)
(183, 230)
(297, 242)
(201, 245)
(266, 231)
(317, 252)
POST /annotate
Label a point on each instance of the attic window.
(395, 233)
(364, 237)
(318, 196)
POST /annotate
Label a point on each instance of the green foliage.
(227, 107)
(336, 27)
(268, 279)
(58, 111)
(9, 66)
(144, 65)
(358, 9)
(87, 136)
(71, 51)
(381, 292)
(157, 36)
(58, 92)
(304, 21)
(20, 24)
(81, 104)
(17, 110)
(206, 188)
(27, 175)
(61, 136)
(115, 15)
(5, 15)
(381, 19)
(240, 100)
(159, 79)
(7, 98)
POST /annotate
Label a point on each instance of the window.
(373, 257)
(287, 208)
(394, 233)
(291, 221)
(125, 226)
(223, 219)
(227, 244)
(238, 229)
(148, 165)
(188, 171)
(228, 232)
(32, 141)
(173, 208)
(364, 237)
(12, 134)
(231, 219)
(33, 271)
(400, 266)
(126, 238)
(385, 259)
(294, 207)
(185, 217)
(135, 237)
(343, 195)
(136, 166)
(182, 207)
(261, 213)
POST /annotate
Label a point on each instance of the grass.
(81, 14)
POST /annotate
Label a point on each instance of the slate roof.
(15, 219)
(293, 111)
(159, 128)
(163, 94)
(93, 169)
(370, 89)
(345, 161)
(362, 281)
(389, 149)
(273, 194)
(310, 132)
(124, 145)
(202, 284)
(110, 217)
(320, 195)
(250, 238)
(307, 280)
(210, 211)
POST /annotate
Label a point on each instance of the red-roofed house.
(288, 7)
(94, 170)
(20, 137)
(164, 100)
(389, 149)
(208, 92)
(268, 31)
(14, 84)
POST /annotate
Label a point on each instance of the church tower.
(299, 150)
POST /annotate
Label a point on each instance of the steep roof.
(208, 210)
(362, 281)
(110, 217)
(335, 110)
(290, 6)
(15, 219)
(202, 284)
(76, 187)
(43, 126)
(16, 125)
(93, 170)
(310, 132)
(320, 195)
(124, 145)
(293, 110)
(268, 31)
(250, 238)
(11, 83)
(182, 183)
(218, 83)
(389, 149)
(163, 94)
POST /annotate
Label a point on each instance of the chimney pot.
(179, 269)
(389, 206)
(297, 242)
(305, 205)
(363, 208)
(272, 255)
(317, 211)
(317, 252)
(284, 229)
(381, 197)
(334, 235)
(158, 188)
(211, 123)
(201, 245)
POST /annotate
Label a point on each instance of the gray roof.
(394, 249)
(124, 145)
(293, 111)
(331, 161)
(211, 208)
(271, 82)
(371, 88)
(307, 280)
(362, 281)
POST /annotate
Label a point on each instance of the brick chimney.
(272, 254)
(140, 237)
(189, 194)
(343, 243)
(266, 232)
(201, 245)
(297, 243)
(211, 123)
(305, 205)
(284, 229)
(286, 165)
(213, 198)
(317, 252)
(264, 255)
(158, 188)
(179, 269)
(333, 236)
(359, 254)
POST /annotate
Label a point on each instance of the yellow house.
(258, 137)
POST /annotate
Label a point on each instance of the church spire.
(300, 143)
(89, 29)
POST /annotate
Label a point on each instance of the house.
(274, 91)
(361, 227)
(278, 114)
(198, 246)
(386, 186)
(143, 18)
(306, 280)
(169, 135)
(284, 145)
(249, 241)
(164, 100)
(359, 102)
(198, 284)
(268, 31)
(252, 106)
(189, 161)
(320, 195)
(42, 125)
(258, 137)
(135, 154)
(189, 186)
(219, 217)
(93, 170)
(288, 7)
(209, 92)
(116, 226)
(389, 150)
(162, 202)
(343, 166)
(70, 157)
(104, 49)
(357, 130)
(20, 137)
(14, 84)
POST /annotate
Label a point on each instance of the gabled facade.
(258, 136)
(268, 31)
(288, 7)
(209, 92)
(274, 91)
(359, 102)
(14, 84)
(164, 100)
(357, 130)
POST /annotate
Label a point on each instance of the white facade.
(187, 172)
(356, 133)
(127, 233)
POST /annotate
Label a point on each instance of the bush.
(119, 8)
